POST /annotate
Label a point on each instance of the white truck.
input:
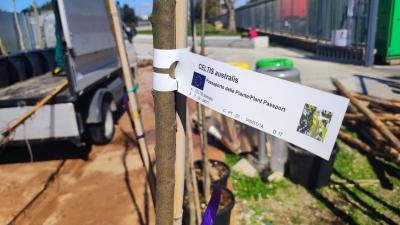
(84, 112)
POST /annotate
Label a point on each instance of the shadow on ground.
(354, 196)
(45, 151)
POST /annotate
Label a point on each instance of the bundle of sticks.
(376, 122)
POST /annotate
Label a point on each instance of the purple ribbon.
(212, 207)
(125, 100)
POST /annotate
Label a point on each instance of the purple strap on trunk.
(212, 207)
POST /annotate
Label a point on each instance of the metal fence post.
(372, 22)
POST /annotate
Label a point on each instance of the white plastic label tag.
(303, 116)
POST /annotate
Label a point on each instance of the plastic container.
(35, 63)
(223, 216)
(240, 65)
(284, 69)
(4, 79)
(48, 57)
(279, 67)
(307, 169)
(215, 163)
(17, 68)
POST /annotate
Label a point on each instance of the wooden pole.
(193, 23)
(383, 102)
(31, 111)
(3, 50)
(365, 148)
(163, 22)
(126, 71)
(381, 116)
(203, 27)
(16, 20)
(188, 172)
(192, 178)
(181, 21)
(370, 115)
(201, 115)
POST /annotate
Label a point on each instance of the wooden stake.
(3, 50)
(196, 191)
(203, 27)
(370, 115)
(181, 22)
(355, 142)
(193, 180)
(365, 148)
(378, 101)
(31, 111)
(204, 153)
(381, 116)
(126, 71)
(191, 187)
(201, 115)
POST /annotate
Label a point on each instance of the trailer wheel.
(103, 132)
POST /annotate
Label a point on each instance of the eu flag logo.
(198, 80)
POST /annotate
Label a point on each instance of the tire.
(103, 132)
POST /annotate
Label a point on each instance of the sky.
(142, 7)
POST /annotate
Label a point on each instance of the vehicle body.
(84, 112)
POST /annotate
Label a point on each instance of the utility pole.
(20, 40)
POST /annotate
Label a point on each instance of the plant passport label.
(303, 116)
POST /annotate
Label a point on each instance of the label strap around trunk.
(303, 116)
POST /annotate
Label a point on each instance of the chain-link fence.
(338, 23)
(317, 19)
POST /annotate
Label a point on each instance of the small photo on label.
(314, 122)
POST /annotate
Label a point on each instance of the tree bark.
(230, 5)
(163, 22)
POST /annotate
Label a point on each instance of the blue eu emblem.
(198, 80)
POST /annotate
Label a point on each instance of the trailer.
(85, 111)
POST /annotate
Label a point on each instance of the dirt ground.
(107, 185)
(89, 185)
